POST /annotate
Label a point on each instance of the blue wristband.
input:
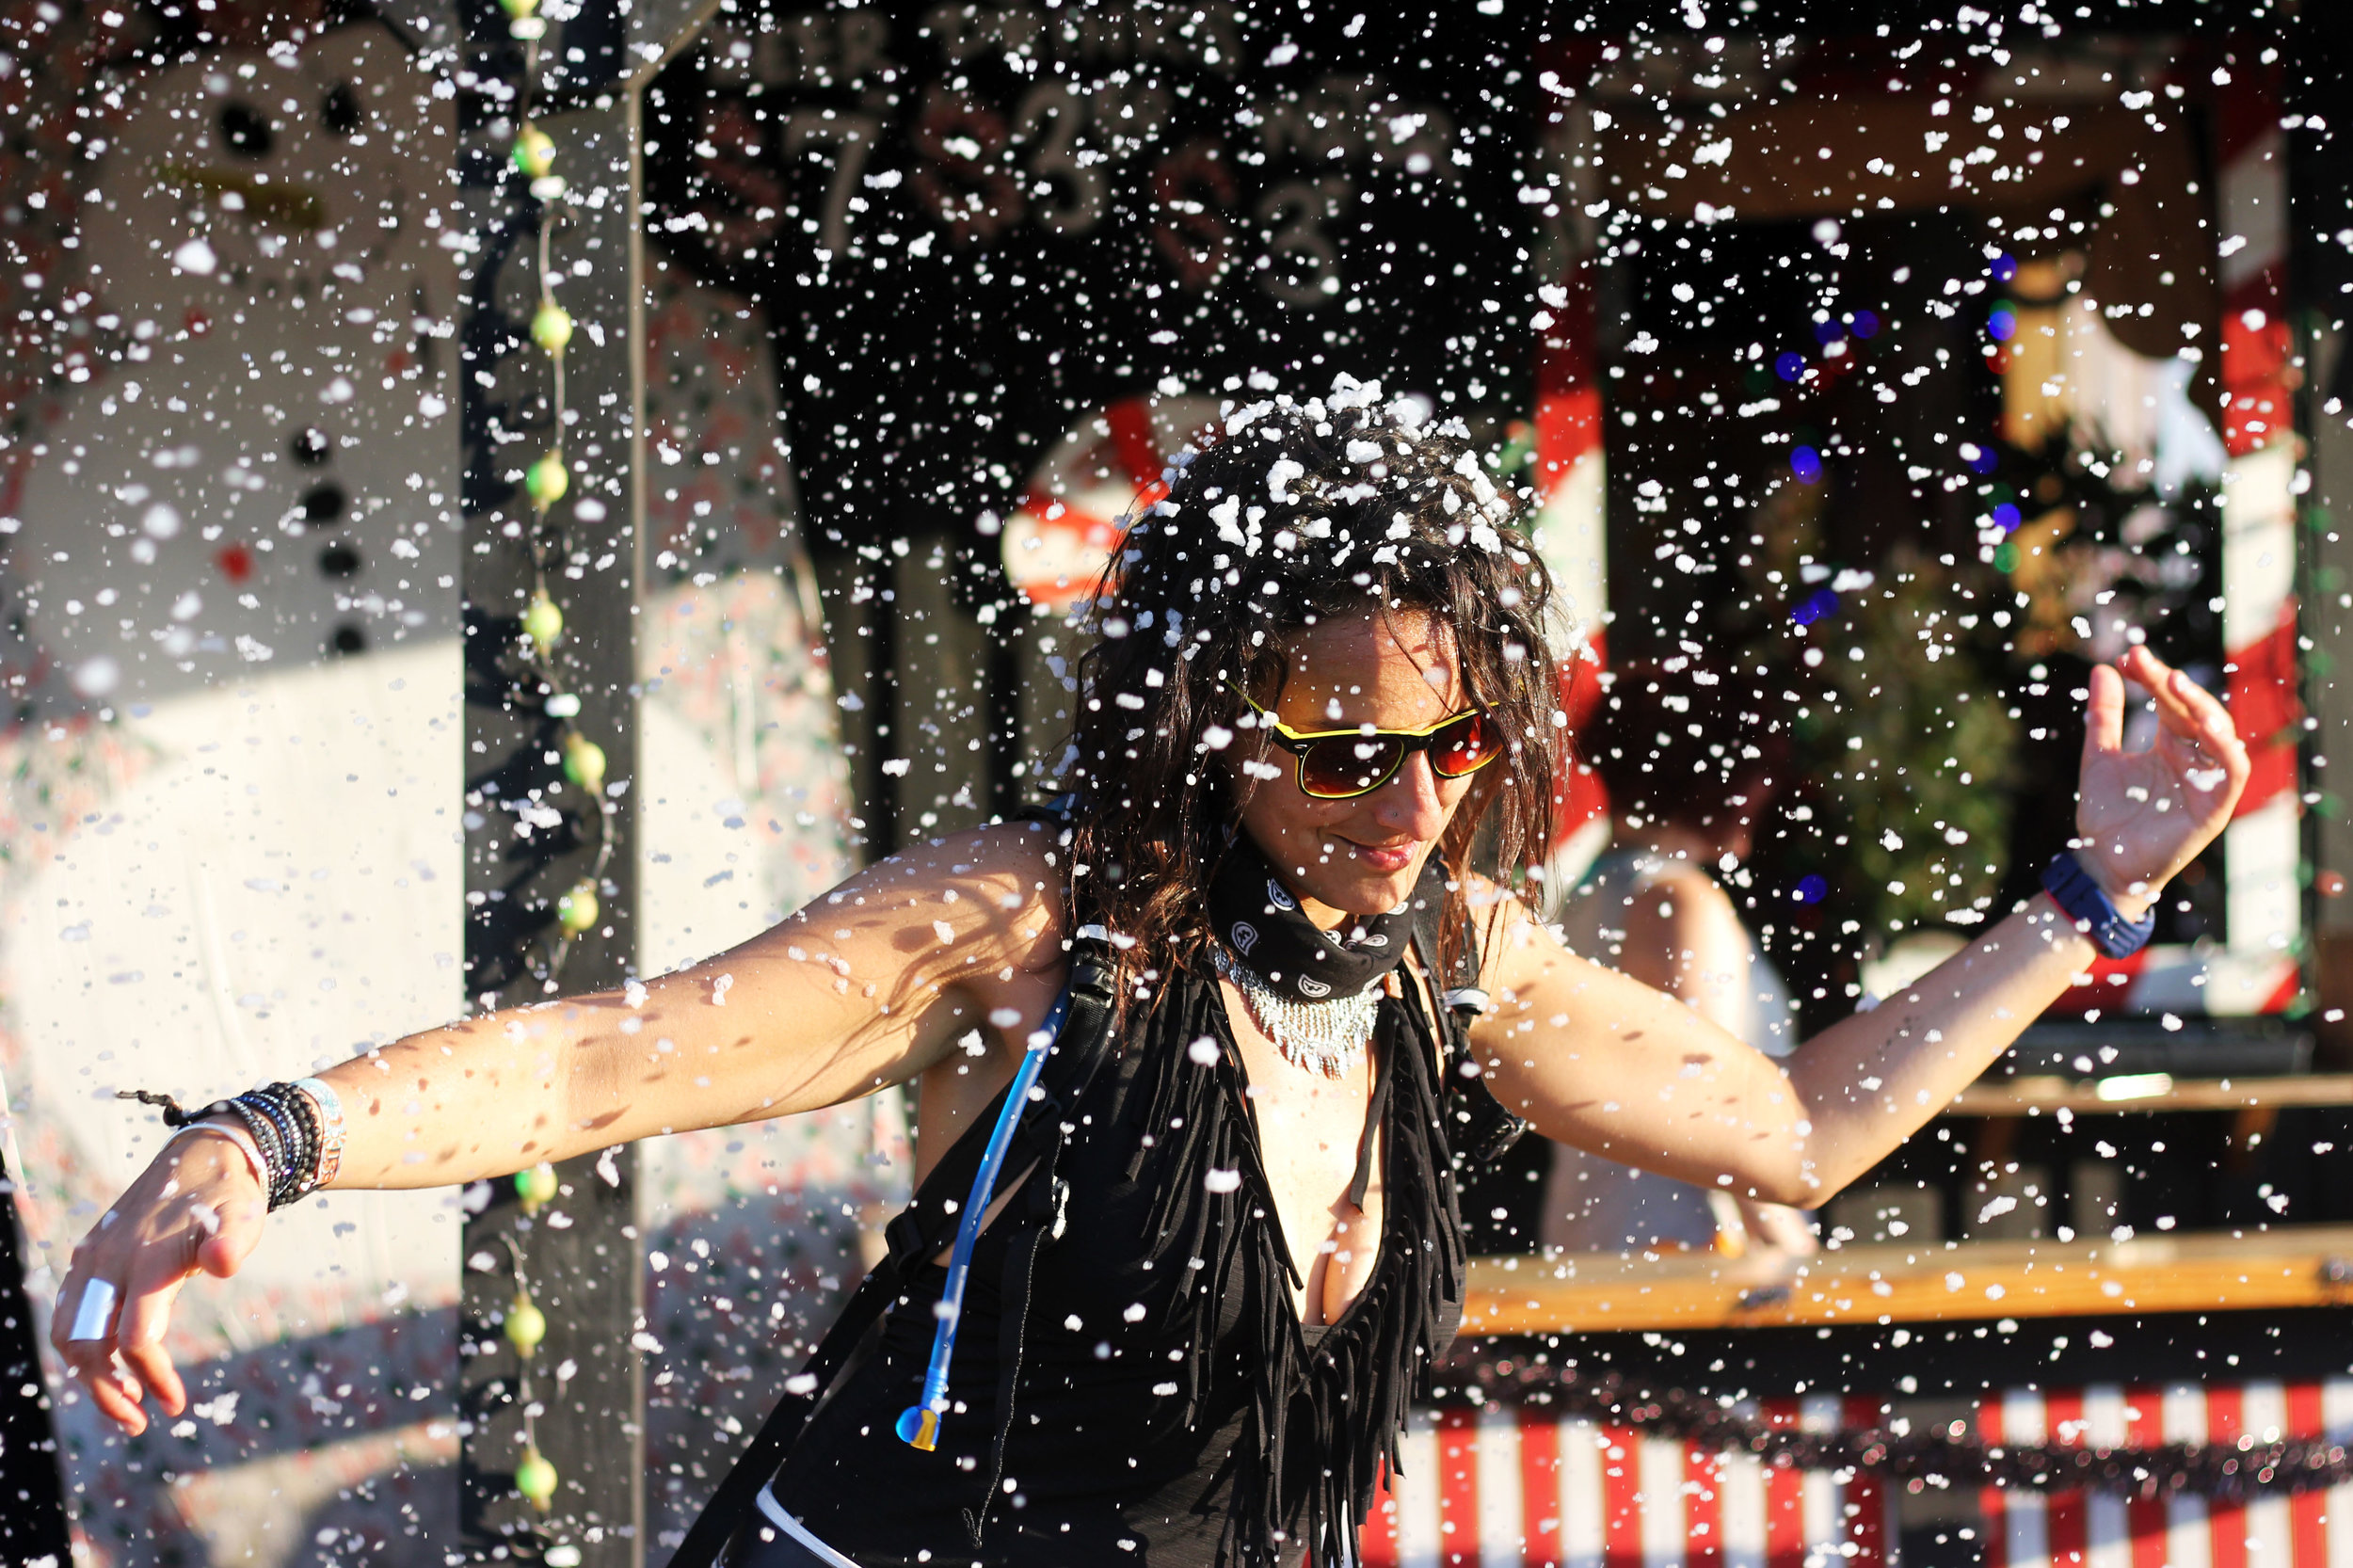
(2079, 897)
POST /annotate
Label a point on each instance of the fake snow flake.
(1227, 514)
(97, 677)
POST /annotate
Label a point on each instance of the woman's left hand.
(2142, 816)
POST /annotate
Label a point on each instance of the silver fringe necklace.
(1328, 1037)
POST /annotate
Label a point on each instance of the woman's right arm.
(869, 985)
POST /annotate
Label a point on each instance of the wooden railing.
(2288, 1266)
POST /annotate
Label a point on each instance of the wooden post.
(576, 1401)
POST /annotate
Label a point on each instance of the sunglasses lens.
(1464, 746)
(1339, 768)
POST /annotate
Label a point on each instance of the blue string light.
(1816, 606)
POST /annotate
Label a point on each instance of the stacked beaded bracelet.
(329, 1108)
(290, 1134)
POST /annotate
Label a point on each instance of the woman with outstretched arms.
(1188, 1321)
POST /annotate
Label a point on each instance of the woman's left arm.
(1595, 1059)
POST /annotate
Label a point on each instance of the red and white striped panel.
(2079, 1529)
(2263, 912)
(1502, 1488)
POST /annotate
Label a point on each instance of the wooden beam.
(2292, 1266)
(2147, 1091)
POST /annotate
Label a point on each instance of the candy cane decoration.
(2263, 901)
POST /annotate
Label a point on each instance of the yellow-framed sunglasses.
(1342, 764)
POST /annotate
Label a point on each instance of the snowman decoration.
(236, 555)
(268, 477)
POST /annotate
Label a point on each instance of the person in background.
(1690, 758)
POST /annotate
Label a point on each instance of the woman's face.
(1362, 857)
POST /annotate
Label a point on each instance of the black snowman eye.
(246, 131)
(339, 111)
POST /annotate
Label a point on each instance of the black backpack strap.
(1480, 1131)
(1085, 1045)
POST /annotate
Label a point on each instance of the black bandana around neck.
(1258, 920)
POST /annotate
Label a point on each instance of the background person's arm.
(1597, 1060)
(869, 985)
(1683, 937)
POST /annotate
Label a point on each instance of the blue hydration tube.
(919, 1424)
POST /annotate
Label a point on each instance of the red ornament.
(236, 561)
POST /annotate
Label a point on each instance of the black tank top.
(1171, 1410)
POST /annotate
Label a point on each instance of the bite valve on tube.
(919, 1424)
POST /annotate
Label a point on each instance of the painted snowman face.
(311, 170)
(268, 474)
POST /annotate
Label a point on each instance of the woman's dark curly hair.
(1296, 512)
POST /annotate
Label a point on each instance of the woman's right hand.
(198, 1206)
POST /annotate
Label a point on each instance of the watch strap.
(2080, 898)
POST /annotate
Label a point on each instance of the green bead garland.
(526, 1326)
(536, 1186)
(535, 152)
(551, 328)
(536, 1479)
(583, 762)
(576, 911)
(543, 623)
(547, 480)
